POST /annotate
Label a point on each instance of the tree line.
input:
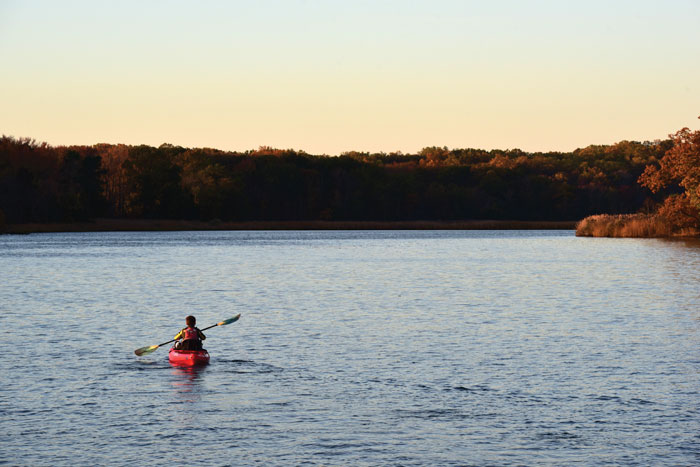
(43, 183)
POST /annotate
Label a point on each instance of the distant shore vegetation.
(43, 184)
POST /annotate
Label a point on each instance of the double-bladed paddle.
(152, 348)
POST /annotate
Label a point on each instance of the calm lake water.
(354, 348)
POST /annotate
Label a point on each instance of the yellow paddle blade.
(145, 350)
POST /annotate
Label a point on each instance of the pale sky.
(333, 76)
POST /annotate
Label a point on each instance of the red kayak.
(188, 357)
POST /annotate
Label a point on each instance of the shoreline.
(155, 225)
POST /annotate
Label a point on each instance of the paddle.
(152, 348)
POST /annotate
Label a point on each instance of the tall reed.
(624, 225)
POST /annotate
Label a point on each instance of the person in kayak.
(191, 336)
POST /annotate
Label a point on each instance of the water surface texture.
(354, 348)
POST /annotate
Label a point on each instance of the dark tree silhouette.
(40, 183)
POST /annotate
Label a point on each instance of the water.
(354, 348)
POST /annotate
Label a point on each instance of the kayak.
(188, 357)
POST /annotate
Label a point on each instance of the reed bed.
(624, 225)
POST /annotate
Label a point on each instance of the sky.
(330, 76)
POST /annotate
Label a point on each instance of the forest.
(40, 183)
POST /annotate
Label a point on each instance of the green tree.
(80, 190)
(154, 180)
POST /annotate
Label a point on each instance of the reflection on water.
(189, 375)
(187, 381)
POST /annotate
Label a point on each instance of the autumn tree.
(680, 167)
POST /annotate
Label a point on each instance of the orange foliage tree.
(680, 167)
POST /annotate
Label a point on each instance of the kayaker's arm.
(179, 335)
(201, 334)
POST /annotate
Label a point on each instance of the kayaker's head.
(191, 321)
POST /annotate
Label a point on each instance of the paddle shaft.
(147, 350)
(173, 340)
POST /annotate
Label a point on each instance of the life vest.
(190, 333)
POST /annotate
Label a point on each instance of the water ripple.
(355, 348)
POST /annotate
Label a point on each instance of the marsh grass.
(625, 225)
